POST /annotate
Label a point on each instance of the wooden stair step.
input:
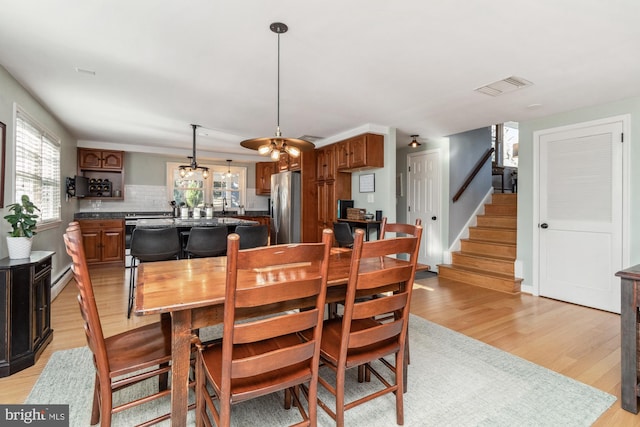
(496, 281)
(488, 263)
(504, 199)
(498, 221)
(483, 247)
(507, 210)
(493, 234)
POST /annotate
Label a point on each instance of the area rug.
(453, 381)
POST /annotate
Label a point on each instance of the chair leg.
(340, 380)
(95, 412)
(132, 285)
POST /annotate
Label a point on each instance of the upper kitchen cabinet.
(105, 171)
(264, 170)
(326, 163)
(289, 163)
(93, 159)
(360, 152)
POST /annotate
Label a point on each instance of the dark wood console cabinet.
(25, 310)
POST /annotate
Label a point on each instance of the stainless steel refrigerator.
(285, 208)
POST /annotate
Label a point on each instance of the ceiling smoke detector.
(506, 85)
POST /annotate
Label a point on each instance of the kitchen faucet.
(224, 205)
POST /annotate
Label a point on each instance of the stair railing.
(473, 173)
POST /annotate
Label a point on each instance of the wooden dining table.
(192, 292)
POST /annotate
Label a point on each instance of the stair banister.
(473, 174)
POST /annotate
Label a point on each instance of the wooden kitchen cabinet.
(103, 165)
(103, 240)
(264, 170)
(326, 163)
(360, 152)
(25, 316)
(289, 163)
(89, 158)
(328, 192)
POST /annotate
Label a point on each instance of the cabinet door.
(264, 170)
(294, 162)
(91, 239)
(112, 160)
(89, 159)
(358, 152)
(283, 162)
(41, 308)
(112, 244)
(327, 214)
(342, 155)
(325, 163)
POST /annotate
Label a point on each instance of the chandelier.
(274, 146)
(185, 170)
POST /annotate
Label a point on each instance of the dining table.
(192, 291)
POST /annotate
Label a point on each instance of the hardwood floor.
(578, 342)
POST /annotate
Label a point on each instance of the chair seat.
(142, 347)
(330, 343)
(250, 387)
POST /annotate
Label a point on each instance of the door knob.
(544, 225)
(433, 218)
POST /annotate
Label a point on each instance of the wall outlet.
(370, 198)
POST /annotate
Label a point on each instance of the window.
(37, 167)
(225, 187)
(504, 138)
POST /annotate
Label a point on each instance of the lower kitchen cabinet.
(103, 240)
(25, 310)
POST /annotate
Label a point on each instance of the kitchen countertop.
(202, 222)
(168, 214)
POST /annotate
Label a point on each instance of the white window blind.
(38, 167)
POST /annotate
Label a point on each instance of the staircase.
(486, 258)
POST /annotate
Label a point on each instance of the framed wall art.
(3, 144)
(368, 183)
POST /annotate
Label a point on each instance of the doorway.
(423, 202)
(580, 215)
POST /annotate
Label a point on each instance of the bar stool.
(252, 236)
(148, 245)
(206, 242)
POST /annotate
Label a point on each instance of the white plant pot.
(19, 247)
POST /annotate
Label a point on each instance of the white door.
(423, 199)
(580, 214)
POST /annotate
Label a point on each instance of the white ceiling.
(413, 65)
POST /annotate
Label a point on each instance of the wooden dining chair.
(252, 236)
(149, 245)
(206, 242)
(117, 357)
(259, 356)
(357, 339)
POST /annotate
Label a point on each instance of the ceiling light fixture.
(273, 147)
(193, 166)
(229, 174)
(414, 143)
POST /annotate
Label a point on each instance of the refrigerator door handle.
(275, 200)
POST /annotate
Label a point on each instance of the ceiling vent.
(503, 86)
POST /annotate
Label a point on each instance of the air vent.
(310, 138)
(508, 84)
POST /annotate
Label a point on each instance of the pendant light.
(228, 174)
(277, 145)
(414, 143)
(184, 170)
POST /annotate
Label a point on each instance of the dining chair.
(405, 229)
(118, 357)
(252, 236)
(206, 242)
(344, 236)
(149, 245)
(357, 339)
(263, 355)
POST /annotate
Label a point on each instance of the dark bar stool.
(252, 236)
(206, 242)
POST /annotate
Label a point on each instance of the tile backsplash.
(153, 198)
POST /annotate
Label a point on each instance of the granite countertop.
(202, 222)
(138, 214)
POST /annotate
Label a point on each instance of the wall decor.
(368, 183)
(3, 143)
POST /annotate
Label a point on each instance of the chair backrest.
(343, 234)
(252, 236)
(398, 228)
(86, 299)
(302, 284)
(207, 241)
(375, 269)
(155, 244)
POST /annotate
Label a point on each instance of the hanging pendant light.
(184, 170)
(228, 174)
(414, 143)
(274, 146)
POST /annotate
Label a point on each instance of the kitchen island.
(229, 222)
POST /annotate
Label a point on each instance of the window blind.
(37, 167)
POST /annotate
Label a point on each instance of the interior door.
(580, 214)
(424, 202)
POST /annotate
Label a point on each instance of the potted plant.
(23, 224)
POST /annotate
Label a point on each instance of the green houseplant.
(23, 227)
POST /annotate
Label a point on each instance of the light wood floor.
(579, 342)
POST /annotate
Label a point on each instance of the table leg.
(180, 355)
(629, 345)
